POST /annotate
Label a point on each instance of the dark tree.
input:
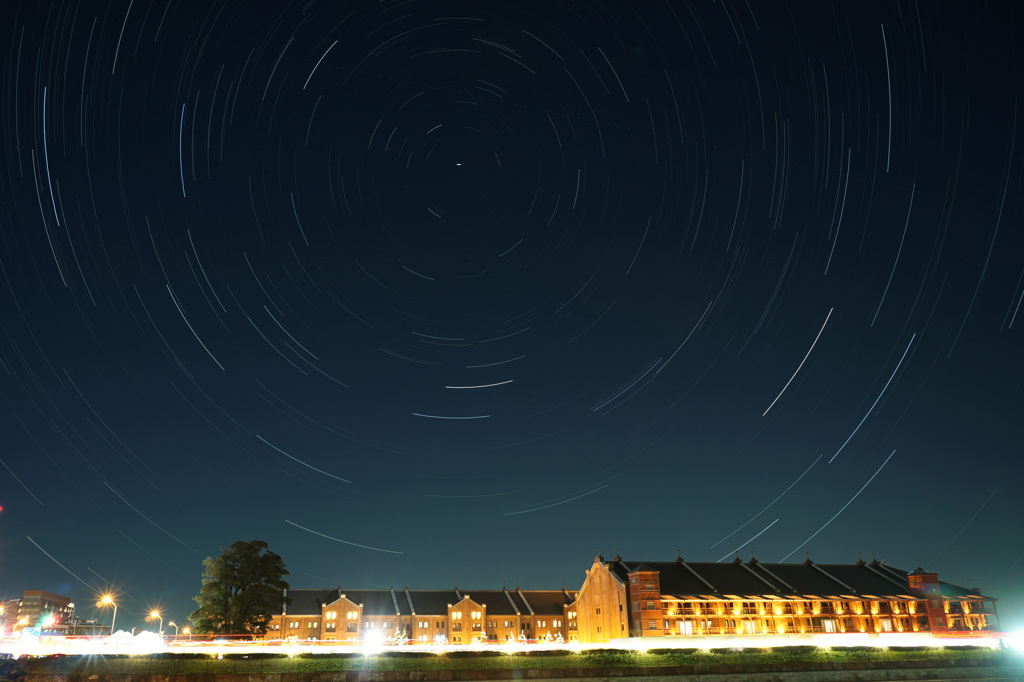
(241, 588)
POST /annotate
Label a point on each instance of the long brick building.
(620, 599)
(426, 616)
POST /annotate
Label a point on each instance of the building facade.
(425, 616)
(624, 599)
(52, 613)
(636, 599)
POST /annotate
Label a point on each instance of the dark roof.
(433, 602)
(496, 601)
(379, 602)
(545, 602)
(308, 602)
(680, 578)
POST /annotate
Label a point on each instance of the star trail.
(497, 286)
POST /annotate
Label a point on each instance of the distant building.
(635, 599)
(632, 599)
(8, 615)
(36, 607)
(90, 627)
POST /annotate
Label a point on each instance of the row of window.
(422, 624)
(333, 615)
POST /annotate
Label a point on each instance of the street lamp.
(175, 626)
(107, 599)
(156, 614)
(188, 631)
(46, 622)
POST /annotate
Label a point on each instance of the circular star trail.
(424, 293)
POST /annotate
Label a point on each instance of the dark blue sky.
(430, 293)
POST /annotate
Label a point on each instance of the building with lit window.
(635, 599)
(425, 616)
(38, 609)
(631, 599)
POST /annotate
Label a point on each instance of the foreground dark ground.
(173, 664)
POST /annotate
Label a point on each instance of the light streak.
(599, 406)
(46, 157)
(318, 64)
(151, 521)
(500, 383)
(695, 327)
(437, 416)
(59, 563)
(748, 541)
(801, 362)
(841, 509)
(181, 162)
(555, 504)
(876, 399)
(338, 478)
(344, 542)
(898, 252)
(767, 506)
(15, 476)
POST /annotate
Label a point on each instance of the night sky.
(433, 293)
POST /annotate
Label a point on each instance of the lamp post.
(175, 626)
(107, 599)
(156, 614)
(188, 631)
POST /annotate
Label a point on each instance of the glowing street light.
(108, 600)
(188, 631)
(156, 614)
(175, 626)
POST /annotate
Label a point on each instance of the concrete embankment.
(919, 671)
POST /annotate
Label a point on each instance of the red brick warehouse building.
(631, 599)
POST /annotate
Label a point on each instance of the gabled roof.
(304, 602)
(433, 602)
(378, 602)
(546, 602)
(742, 579)
(495, 601)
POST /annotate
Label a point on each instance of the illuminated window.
(652, 625)
(649, 606)
(648, 586)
